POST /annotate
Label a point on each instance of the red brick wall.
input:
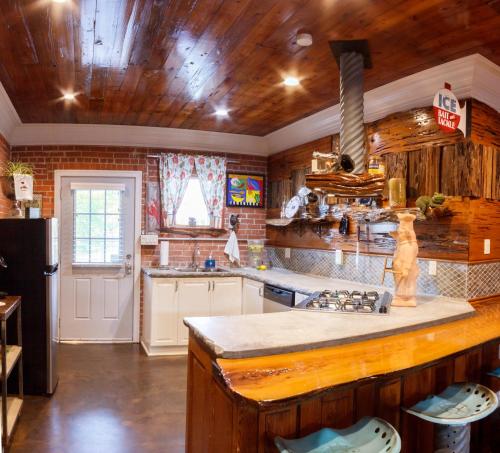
(5, 204)
(46, 159)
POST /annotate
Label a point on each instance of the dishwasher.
(277, 299)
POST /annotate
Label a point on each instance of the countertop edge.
(221, 353)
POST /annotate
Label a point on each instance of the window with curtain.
(183, 179)
(97, 226)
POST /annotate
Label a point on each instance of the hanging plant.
(12, 168)
(17, 184)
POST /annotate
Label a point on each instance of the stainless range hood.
(352, 58)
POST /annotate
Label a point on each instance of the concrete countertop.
(302, 283)
(275, 333)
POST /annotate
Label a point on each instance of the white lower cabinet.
(225, 297)
(167, 301)
(253, 297)
(193, 299)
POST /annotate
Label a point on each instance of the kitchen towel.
(164, 252)
(232, 250)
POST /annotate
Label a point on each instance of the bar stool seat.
(458, 404)
(495, 373)
(368, 435)
(454, 410)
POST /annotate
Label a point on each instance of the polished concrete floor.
(110, 399)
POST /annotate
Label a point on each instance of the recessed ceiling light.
(69, 96)
(304, 39)
(59, 1)
(291, 81)
(222, 112)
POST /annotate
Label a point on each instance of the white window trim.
(137, 175)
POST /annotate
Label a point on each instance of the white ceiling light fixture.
(304, 39)
(59, 1)
(69, 96)
(291, 81)
(222, 112)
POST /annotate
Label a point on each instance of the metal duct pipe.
(352, 57)
(352, 128)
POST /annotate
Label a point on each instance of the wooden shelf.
(14, 406)
(13, 354)
(195, 231)
(299, 223)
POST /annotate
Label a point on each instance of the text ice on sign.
(447, 110)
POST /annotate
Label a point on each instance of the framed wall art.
(152, 207)
(245, 190)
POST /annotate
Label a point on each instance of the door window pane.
(113, 226)
(82, 251)
(113, 201)
(97, 226)
(98, 201)
(97, 251)
(82, 225)
(112, 251)
(82, 201)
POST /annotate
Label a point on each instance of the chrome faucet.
(196, 253)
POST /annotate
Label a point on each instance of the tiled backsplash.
(452, 279)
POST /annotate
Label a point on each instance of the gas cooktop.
(343, 301)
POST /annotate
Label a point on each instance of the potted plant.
(17, 184)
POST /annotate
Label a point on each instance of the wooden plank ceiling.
(171, 63)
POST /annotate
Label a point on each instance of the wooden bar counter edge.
(242, 404)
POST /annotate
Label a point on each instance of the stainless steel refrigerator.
(30, 250)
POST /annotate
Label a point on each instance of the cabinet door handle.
(260, 291)
(176, 285)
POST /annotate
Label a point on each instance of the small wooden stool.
(368, 435)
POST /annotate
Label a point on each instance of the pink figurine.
(404, 263)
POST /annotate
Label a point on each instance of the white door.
(253, 298)
(192, 300)
(226, 297)
(97, 224)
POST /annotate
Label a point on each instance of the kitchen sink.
(198, 269)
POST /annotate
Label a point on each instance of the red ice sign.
(446, 110)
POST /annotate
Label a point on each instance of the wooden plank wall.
(431, 161)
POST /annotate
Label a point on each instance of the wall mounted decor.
(245, 190)
(152, 207)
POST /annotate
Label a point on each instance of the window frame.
(121, 238)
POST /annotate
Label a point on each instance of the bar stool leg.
(452, 438)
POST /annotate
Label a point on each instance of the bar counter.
(242, 404)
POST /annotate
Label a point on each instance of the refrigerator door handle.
(52, 271)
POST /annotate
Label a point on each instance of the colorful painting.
(245, 190)
(152, 207)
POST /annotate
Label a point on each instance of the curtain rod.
(157, 156)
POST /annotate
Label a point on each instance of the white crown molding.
(472, 76)
(140, 136)
(9, 119)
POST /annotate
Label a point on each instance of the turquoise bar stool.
(453, 411)
(495, 373)
(368, 435)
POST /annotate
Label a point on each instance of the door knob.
(128, 264)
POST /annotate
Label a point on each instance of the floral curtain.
(212, 174)
(175, 171)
